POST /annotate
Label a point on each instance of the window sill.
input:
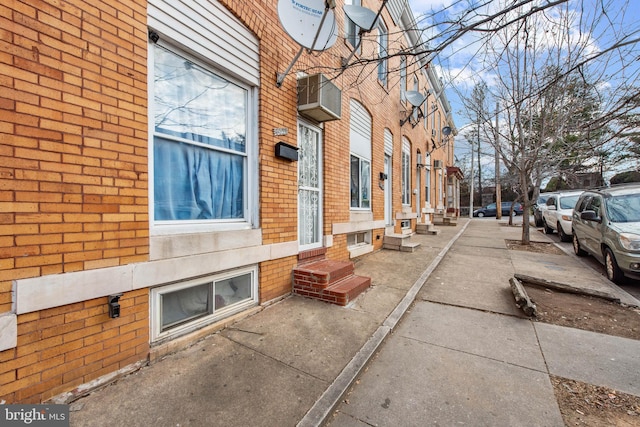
(178, 245)
(194, 227)
(359, 250)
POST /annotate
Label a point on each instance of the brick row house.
(162, 173)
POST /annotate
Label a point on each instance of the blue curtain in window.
(192, 182)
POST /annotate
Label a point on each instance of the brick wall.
(64, 347)
(73, 182)
(275, 278)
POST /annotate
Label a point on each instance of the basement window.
(183, 307)
(359, 239)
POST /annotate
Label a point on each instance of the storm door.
(309, 187)
(388, 194)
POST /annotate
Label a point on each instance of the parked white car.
(557, 215)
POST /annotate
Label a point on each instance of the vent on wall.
(437, 164)
(319, 99)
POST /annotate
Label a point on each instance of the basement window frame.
(219, 289)
(359, 238)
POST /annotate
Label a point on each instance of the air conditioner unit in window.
(319, 99)
(437, 164)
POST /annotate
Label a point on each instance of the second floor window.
(383, 47)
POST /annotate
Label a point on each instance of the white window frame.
(433, 116)
(250, 189)
(361, 162)
(403, 78)
(155, 306)
(440, 190)
(427, 180)
(406, 173)
(383, 47)
(360, 142)
(360, 238)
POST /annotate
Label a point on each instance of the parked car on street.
(490, 209)
(557, 215)
(606, 224)
(539, 206)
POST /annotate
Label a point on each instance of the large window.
(200, 142)
(360, 158)
(383, 47)
(183, 307)
(406, 173)
(360, 183)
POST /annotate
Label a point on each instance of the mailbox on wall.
(286, 151)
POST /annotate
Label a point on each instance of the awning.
(454, 171)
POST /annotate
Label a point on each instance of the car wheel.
(547, 229)
(564, 237)
(576, 247)
(613, 271)
(480, 214)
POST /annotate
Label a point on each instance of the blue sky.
(461, 64)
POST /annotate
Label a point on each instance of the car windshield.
(624, 208)
(568, 202)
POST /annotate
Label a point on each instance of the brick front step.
(329, 281)
(321, 274)
(340, 292)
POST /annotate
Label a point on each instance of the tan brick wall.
(73, 183)
(73, 137)
(275, 278)
(64, 347)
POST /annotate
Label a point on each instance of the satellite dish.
(305, 22)
(446, 131)
(415, 98)
(361, 16)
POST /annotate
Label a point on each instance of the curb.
(324, 406)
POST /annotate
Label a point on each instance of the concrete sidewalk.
(291, 362)
(464, 355)
(271, 368)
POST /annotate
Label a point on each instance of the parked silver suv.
(606, 224)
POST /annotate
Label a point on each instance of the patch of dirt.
(537, 247)
(585, 312)
(584, 404)
(588, 405)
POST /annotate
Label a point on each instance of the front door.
(388, 196)
(309, 187)
(418, 193)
